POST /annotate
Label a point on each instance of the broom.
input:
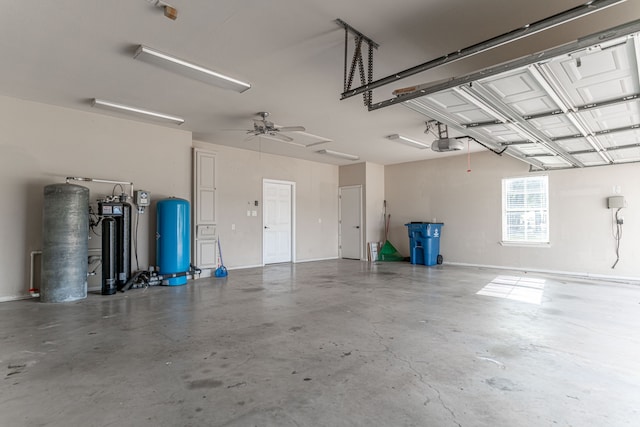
(221, 271)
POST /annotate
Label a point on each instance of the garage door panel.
(520, 91)
(578, 102)
(574, 144)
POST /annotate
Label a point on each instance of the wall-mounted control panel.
(615, 202)
(143, 198)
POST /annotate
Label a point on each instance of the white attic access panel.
(579, 108)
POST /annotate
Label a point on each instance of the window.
(525, 210)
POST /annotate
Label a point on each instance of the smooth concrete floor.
(330, 343)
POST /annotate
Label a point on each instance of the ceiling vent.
(447, 144)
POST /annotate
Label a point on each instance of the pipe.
(33, 291)
(103, 181)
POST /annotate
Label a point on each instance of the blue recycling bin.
(424, 242)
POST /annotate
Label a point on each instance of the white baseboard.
(583, 275)
(315, 259)
(15, 298)
(244, 267)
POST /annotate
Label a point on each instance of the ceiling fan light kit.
(267, 129)
(122, 108)
(189, 69)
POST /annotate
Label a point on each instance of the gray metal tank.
(65, 243)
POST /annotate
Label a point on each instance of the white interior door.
(351, 222)
(204, 216)
(278, 221)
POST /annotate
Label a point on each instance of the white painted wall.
(371, 177)
(356, 174)
(42, 144)
(239, 175)
(469, 204)
(374, 202)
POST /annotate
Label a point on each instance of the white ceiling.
(291, 51)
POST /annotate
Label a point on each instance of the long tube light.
(188, 69)
(407, 141)
(338, 154)
(101, 103)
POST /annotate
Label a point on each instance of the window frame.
(545, 242)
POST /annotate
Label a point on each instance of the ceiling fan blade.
(276, 135)
(292, 142)
(291, 128)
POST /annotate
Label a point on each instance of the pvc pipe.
(104, 181)
(32, 255)
(31, 288)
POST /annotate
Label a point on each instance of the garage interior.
(516, 126)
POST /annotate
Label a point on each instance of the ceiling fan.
(266, 128)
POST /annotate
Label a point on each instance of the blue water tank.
(173, 241)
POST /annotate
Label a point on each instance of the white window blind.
(525, 209)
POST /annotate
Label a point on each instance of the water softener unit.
(116, 243)
(109, 278)
(173, 243)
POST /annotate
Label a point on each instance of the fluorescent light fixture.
(101, 103)
(338, 154)
(189, 69)
(407, 141)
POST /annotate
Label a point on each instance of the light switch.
(233, 227)
(248, 213)
(254, 213)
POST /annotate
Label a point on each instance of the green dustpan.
(389, 253)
